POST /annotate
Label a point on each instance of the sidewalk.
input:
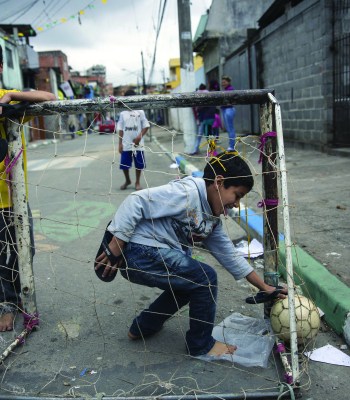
(320, 203)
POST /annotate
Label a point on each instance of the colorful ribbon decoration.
(267, 202)
(30, 321)
(10, 163)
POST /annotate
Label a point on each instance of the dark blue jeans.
(229, 116)
(184, 281)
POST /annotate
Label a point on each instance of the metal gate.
(341, 40)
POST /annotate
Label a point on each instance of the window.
(9, 58)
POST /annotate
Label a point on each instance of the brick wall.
(296, 60)
(57, 60)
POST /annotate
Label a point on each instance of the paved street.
(81, 347)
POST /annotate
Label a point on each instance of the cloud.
(113, 34)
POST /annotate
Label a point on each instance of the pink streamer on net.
(263, 139)
(288, 378)
(30, 321)
(267, 202)
(280, 348)
(10, 163)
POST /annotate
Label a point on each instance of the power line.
(39, 15)
(30, 6)
(53, 11)
(21, 9)
(160, 21)
(55, 23)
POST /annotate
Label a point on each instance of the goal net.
(78, 346)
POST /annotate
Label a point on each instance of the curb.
(330, 294)
(184, 166)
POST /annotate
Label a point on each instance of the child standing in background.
(132, 127)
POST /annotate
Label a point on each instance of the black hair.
(130, 92)
(202, 86)
(232, 167)
(1, 59)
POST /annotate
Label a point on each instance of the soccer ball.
(306, 315)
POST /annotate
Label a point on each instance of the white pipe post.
(21, 219)
(287, 240)
(187, 72)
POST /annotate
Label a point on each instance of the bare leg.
(6, 322)
(127, 180)
(138, 176)
(220, 348)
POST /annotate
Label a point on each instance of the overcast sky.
(111, 32)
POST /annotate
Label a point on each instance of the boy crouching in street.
(152, 235)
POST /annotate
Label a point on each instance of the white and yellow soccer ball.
(306, 315)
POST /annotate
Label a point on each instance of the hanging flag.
(72, 17)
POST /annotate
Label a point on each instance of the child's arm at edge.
(33, 96)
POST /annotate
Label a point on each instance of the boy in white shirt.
(132, 127)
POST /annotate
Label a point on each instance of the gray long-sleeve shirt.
(175, 216)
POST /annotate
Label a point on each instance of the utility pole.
(187, 72)
(144, 88)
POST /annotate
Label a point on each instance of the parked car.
(106, 126)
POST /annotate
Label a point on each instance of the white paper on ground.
(174, 165)
(253, 249)
(320, 312)
(330, 355)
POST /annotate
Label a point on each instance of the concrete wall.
(294, 57)
(228, 16)
(12, 75)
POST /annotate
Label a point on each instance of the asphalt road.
(81, 347)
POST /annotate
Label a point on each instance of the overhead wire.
(20, 9)
(39, 15)
(159, 25)
(51, 10)
(29, 7)
(141, 38)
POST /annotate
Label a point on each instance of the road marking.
(58, 163)
(75, 221)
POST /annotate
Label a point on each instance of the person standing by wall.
(205, 118)
(228, 114)
(217, 125)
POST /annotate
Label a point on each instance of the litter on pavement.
(330, 355)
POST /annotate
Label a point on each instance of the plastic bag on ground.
(252, 337)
